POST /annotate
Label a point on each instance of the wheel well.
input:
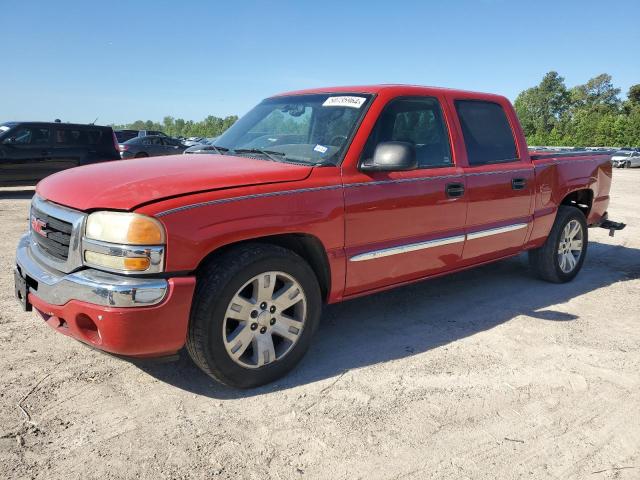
(582, 199)
(307, 246)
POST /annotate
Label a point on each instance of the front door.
(401, 226)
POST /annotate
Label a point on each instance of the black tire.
(217, 283)
(627, 164)
(141, 155)
(544, 261)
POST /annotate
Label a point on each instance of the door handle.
(518, 183)
(45, 153)
(454, 190)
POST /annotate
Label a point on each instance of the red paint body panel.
(207, 202)
(137, 332)
(125, 184)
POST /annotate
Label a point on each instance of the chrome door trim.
(496, 231)
(411, 247)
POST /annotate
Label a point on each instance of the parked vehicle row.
(627, 158)
(124, 135)
(150, 146)
(315, 197)
(206, 145)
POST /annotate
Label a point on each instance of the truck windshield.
(314, 129)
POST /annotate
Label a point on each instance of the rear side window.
(69, 136)
(487, 134)
(415, 120)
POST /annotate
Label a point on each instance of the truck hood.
(125, 184)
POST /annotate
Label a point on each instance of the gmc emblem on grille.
(39, 226)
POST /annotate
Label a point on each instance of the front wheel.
(254, 313)
(561, 257)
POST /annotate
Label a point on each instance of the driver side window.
(414, 120)
(31, 136)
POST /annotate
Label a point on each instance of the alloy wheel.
(264, 319)
(570, 246)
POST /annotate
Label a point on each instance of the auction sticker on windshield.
(347, 101)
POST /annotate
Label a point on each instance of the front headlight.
(122, 227)
(124, 242)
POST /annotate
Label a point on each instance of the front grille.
(54, 236)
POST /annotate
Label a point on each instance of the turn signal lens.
(124, 228)
(127, 264)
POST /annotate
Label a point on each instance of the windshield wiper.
(272, 154)
(219, 150)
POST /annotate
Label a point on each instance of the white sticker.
(353, 102)
(320, 148)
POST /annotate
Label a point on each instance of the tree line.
(211, 126)
(588, 115)
(592, 114)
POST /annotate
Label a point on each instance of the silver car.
(625, 159)
(150, 146)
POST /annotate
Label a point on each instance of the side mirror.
(391, 157)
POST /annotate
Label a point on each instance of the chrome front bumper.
(88, 285)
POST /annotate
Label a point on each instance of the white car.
(625, 159)
(191, 141)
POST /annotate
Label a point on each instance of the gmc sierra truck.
(312, 197)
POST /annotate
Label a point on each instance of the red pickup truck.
(313, 196)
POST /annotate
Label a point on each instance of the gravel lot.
(480, 375)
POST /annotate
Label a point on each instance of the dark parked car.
(124, 135)
(30, 151)
(151, 146)
(128, 134)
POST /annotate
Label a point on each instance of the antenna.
(94, 122)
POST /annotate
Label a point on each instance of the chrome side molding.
(411, 247)
(496, 231)
(438, 242)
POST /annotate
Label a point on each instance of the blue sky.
(122, 61)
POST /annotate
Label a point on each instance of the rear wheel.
(254, 313)
(561, 257)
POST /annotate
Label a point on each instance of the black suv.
(29, 151)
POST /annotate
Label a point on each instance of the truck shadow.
(423, 316)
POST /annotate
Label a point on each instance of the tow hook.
(612, 226)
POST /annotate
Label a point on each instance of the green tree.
(634, 94)
(540, 108)
(597, 94)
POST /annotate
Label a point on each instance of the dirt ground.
(480, 375)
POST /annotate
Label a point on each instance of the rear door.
(26, 153)
(500, 181)
(156, 147)
(172, 146)
(69, 148)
